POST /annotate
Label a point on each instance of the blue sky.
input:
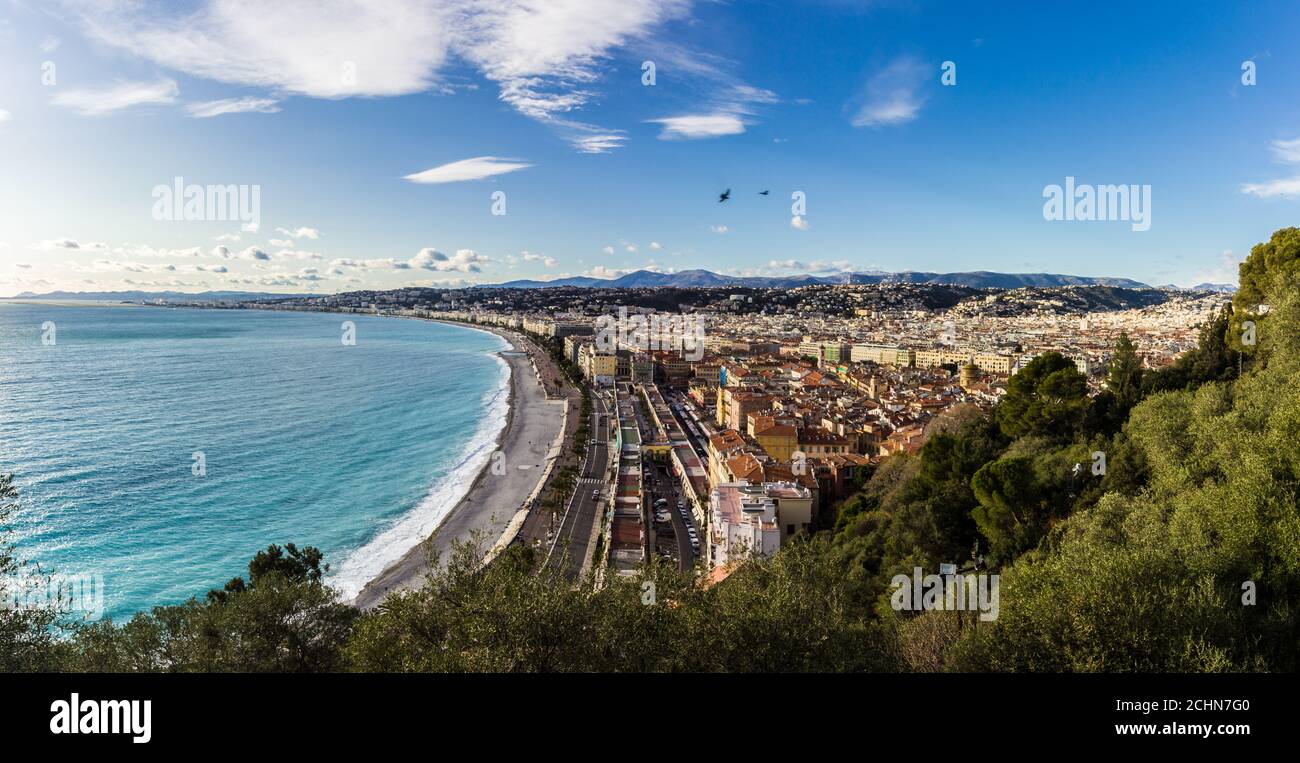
(336, 115)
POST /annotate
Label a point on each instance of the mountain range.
(687, 279)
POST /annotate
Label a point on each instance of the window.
(789, 529)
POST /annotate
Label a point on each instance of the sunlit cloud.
(467, 169)
(124, 95)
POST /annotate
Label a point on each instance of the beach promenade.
(525, 443)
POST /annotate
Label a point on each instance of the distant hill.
(154, 296)
(687, 279)
(1222, 288)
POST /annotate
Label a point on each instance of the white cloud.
(545, 57)
(724, 105)
(70, 243)
(60, 243)
(394, 47)
(893, 95)
(815, 266)
(1286, 188)
(121, 96)
(607, 249)
(549, 262)
(719, 229)
(296, 254)
(1227, 271)
(387, 263)
(697, 126)
(1287, 150)
(600, 271)
(49, 44)
(463, 261)
(310, 233)
(4, 115)
(656, 246)
(798, 222)
(253, 253)
(207, 109)
(467, 169)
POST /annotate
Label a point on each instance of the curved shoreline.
(486, 509)
(410, 529)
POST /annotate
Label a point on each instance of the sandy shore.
(531, 428)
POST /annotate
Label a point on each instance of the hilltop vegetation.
(1181, 553)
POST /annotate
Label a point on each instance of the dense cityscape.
(791, 394)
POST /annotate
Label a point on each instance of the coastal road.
(572, 541)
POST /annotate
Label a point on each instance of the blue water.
(358, 450)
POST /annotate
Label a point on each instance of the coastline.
(533, 423)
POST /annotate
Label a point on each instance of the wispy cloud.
(123, 95)
(545, 57)
(304, 232)
(468, 169)
(891, 96)
(4, 115)
(722, 103)
(208, 109)
(1287, 152)
(696, 126)
(70, 243)
(1287, 188)
(815, 266)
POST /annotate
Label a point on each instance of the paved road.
(664, 485)
(571, 544)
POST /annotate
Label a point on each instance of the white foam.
(408, 531)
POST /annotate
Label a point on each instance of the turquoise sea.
(358, 450)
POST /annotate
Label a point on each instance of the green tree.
(1046, 397)
(285, 619)
(26, 632)
(1011, 512)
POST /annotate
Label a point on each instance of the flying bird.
(763, 193)
(724, 196)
